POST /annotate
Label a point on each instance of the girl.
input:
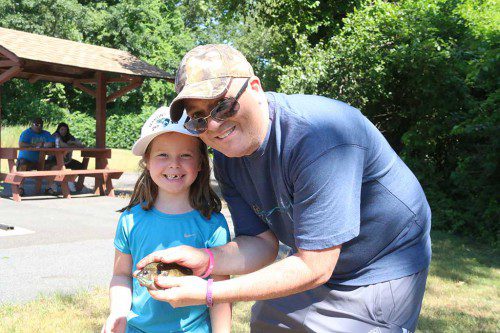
(172, 204)
(63, 138)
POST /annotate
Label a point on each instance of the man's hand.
(184, 255)
(180, 291)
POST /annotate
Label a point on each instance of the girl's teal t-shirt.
(139, 233)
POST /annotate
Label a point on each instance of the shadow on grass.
(458, 259)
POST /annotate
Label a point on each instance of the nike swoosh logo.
(188, 235)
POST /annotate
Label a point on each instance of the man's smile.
(226, 134)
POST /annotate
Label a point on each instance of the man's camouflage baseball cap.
(205, 73)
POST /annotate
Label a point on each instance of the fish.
(146, 276)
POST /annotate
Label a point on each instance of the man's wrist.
(210, 266)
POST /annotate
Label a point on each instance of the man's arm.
(303, 271)
(25, 144)
(245, 254)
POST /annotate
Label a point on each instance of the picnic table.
(102, 174)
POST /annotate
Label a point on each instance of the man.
(33, 137)
(315, 174)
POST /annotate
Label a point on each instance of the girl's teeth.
(172, 176)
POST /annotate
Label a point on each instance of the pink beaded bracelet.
(210, 264)
(209, 298)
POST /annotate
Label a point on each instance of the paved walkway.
(61, 245)
(66, 248)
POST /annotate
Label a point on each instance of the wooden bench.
(105, 186)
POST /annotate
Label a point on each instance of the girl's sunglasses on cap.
(226, 108)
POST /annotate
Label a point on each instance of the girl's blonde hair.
(201, 195)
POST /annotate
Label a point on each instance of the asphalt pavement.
(59, 245)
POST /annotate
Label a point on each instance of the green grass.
(462, 296)
(81, 312)
(121, 159)
(463, 287)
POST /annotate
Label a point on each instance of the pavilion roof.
(63, 60)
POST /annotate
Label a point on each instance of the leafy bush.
(82, 127)
(425, 72)
(123, 130)
(152, 30)
(22, 108)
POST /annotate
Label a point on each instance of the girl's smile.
(174, 177)
(174, 163)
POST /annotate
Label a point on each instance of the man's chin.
(237, 151)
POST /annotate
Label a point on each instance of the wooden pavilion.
(89, 68)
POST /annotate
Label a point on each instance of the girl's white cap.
(158, 123)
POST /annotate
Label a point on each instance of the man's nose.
(212, 125)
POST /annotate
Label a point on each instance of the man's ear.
(255, 84)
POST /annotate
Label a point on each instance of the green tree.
(152, 30)
(425, 72)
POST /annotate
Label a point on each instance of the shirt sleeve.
(327, 198)
(25, 137)
(221, 234)
(121, 241)
(245, 221)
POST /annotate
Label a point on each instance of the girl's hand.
(180, 291)
(184, 255)
(115, 324)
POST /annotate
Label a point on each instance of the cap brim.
(140, 146)
(208, 89)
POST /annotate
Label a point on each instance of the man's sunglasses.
(226, 108)
(37, 124)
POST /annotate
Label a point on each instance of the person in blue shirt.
(317, 175)
(172, 205)
(33, 137)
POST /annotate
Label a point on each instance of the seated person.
(64, 139)
(33, 137)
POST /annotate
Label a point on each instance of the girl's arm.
(220, 314)
(77, 143)
(120, 293)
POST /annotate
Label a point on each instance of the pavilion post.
(100, 112)
(100, 115)
(0, 116)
